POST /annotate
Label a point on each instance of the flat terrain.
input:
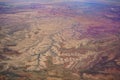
(60, 41)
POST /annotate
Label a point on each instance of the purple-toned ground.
(60, 41)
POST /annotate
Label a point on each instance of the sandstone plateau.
(60, 41)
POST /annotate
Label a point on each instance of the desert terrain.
(60, 41)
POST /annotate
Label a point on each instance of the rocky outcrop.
(80, 43)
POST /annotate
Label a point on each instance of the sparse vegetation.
(59, 41)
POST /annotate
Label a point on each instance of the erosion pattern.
(82, 38)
